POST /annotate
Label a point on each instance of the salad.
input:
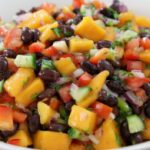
(75, 78)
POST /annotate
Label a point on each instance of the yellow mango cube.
(146, 132)
(37, 19)
(18, 81)
(80, 45)
(145, 56)
(23, 137)
(48, 140)
(110, 34)
(45, 112)
(96, 85)
(28, 95)
(142, 21)
(82, 119)
(65, 66)
(87, 28)
(110, 138)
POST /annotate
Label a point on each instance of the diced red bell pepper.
(78, 3)
(64, 93)
(6, 118)
(5, 98)
(102, 110)
(85, 79)
(145, 43)
(135, 65)
(131, 55)
(36, 47)
(136, 82)
(51, 51)
(14, 142)
(54, 103)
(19, 116)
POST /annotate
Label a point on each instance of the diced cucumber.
(1, 86)
(47, 64)
(26, 61)
(79, 94)
(135, 124)
(74, 133)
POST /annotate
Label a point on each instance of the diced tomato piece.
(6, 118)
(3, 31)
(102, 110)
(13, 39)
(85, 79)
(5, 98)
(145, 43)
(19, 117)
(141, 93)
(14, 142)
(131, 55)
(51, 51)
(11, 65)
(98, 4)
(78, 3)
(69, 16)
(64, 93)
(36, 47)
(54, 103)
(135, 65)
(136, 82)
(133, 44)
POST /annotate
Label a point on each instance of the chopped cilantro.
(55, 86)
(57, 31)
(127, 26)
(47, 64)
(34, 96)
(1, 86)
(118, 140)
(74, 133)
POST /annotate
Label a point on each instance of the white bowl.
(140, 7)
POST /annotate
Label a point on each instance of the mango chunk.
(145, 56)
(37, 19)
(65, 66)
(45, 112)
(20, 80)
(96, 85)
(110, 34)
(48, 140)
(23, 137)
(47, 33)
(142, 21)
(82, 119)
(87, 28)
(146, 132)
(80, 45)
(110, 138)
(28, 95)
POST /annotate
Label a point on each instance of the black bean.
(144, 34)
(58, 127)
(147, 109)
(77, 19)
(136, 138)
(55, 15)
(5, 75)
(136, 110)
(89, 67)
(27, 35)
(76, 10)
(48, 93)
(33, 9)
(36, 35)
(110, 101)
(105, 65)
(6, 134)
(69, 105)
(103, 44)
(124, 130)
(67, 30)
(116, 87)
(103, 95)
(33, 123)
(20, 12)
(146, 87)
(9, 53)
(3, 65)
(49, 75)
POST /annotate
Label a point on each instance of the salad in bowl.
(75, 78)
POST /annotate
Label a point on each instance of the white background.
(9, 7)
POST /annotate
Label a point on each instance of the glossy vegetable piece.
(47, 33)
(145, 56)
(110, 138)
(110, 34)
(146, 132)
(47, 140)
(6, 118)
(82, 119)
(18, 81)
(102, 110)
(78, 3)
(36, 47)
(45, 112)
(80, 45)
(96, 85)
(142, 21)
(93, 31)
(145, 43)
(14, 142)
(23, 137)
(35, 19)
(50, 51)
(135, 65)
(66, 63)
(19, 117)
(28, 95)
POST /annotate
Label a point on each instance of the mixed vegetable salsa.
(75, 78)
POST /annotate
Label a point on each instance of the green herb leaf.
(47, 64)
(55, 86)
(74, 133)
(89, 147)
(1, 86)
(127, 26)
(63, 113)
(34, 96)
(118, 140)
(57, 31)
